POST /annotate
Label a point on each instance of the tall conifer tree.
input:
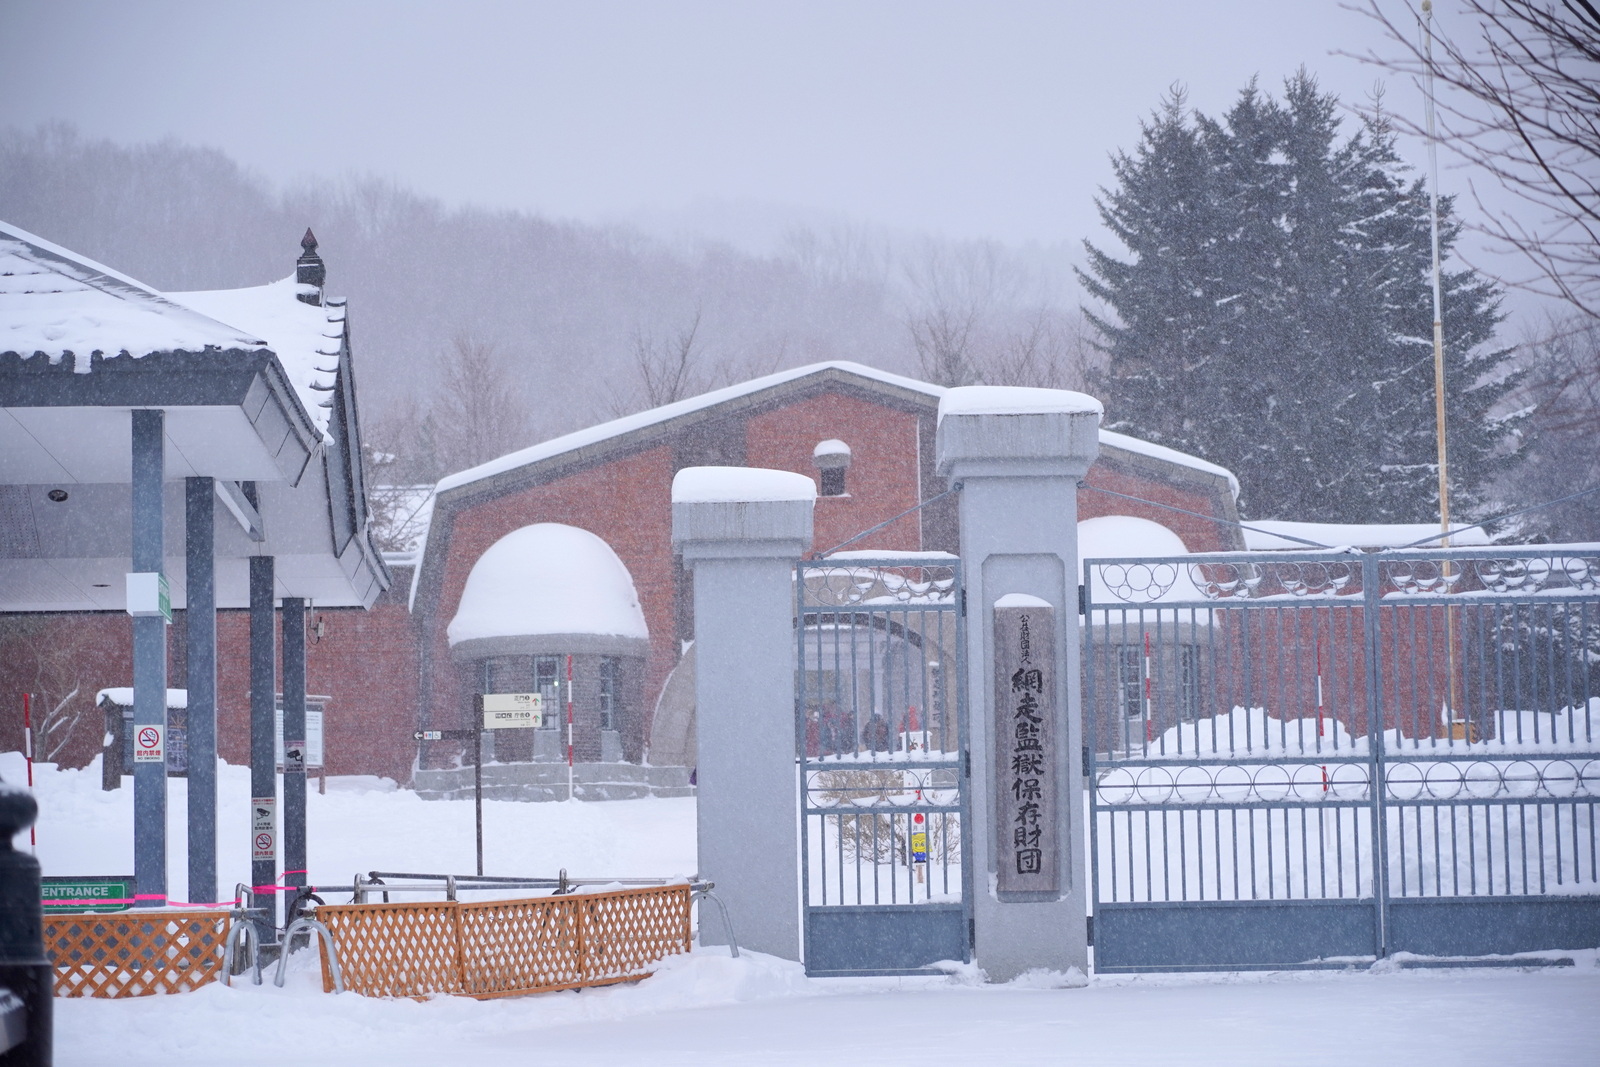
(1274, 313)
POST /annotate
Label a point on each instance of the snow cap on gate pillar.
(1013, 431)
(722, 512)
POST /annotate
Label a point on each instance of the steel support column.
(201, 659)
(294, 741)
(149, 664)
(263, 768)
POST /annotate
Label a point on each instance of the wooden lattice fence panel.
(135, 953)
(626, 932)
(395, 950)
(512, 946)
(506, 947)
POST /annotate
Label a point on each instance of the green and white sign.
(84, 894)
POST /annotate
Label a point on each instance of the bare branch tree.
(480, 412)
(1560, 393)
(1050, 350)
(665, 370)
(56, 663)
(1522, 104)
(954, 290)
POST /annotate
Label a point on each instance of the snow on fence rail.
(135, 953)
(504, 948)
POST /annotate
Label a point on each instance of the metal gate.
(1304, 760)
(881, 728)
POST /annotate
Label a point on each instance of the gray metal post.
(200, 620)
(149, 664)
(1018, 455)
(743, 554)
(263, 765)
(294, 741)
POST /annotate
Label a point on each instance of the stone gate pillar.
(741, 530)
(1018, 455)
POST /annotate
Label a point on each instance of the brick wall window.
(610, 689)
(547, 677)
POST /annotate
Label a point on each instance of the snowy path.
(713, 1010)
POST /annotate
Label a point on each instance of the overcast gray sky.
(962, 119)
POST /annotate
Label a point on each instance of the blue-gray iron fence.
(1309, 759)
(880, 729)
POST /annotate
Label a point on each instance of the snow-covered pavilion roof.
(305, 337)
(57, 304)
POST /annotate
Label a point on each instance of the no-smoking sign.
(149, 744)
(265, 846)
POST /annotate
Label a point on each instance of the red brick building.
(614, 480)
(392, 670)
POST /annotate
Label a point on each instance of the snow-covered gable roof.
(646, 420)
(306, 338)
(55, 303)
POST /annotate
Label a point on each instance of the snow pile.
(1353, 535)
(1016, 400)
(548, 578)
(361, 824)
(122, 696)
(831, 447)
(705, 485)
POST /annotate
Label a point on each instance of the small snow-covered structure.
(538, 596)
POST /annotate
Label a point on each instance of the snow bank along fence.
(135, 953)
(501, 948)
(1299, 759)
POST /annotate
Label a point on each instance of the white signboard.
(150, 743)
(512, 711)
(263, 828)
(311, 745)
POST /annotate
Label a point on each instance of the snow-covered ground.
(710, 1009)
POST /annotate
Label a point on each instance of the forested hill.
(567, 312)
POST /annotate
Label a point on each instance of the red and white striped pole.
(27, 752)
(569, 727)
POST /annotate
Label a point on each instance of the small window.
(832, 458)
(547, 682)
(1130, 680)
(610, 676)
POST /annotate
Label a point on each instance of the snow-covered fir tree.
(1274, 313)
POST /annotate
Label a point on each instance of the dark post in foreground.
(25, 974)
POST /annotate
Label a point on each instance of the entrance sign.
(512, 711)
(149, 743)
(1027, 859)
(92, 893)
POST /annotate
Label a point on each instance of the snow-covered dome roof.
(1113, 536)
(547, 580)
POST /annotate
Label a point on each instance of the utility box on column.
(1018, 455)
(740, 531)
